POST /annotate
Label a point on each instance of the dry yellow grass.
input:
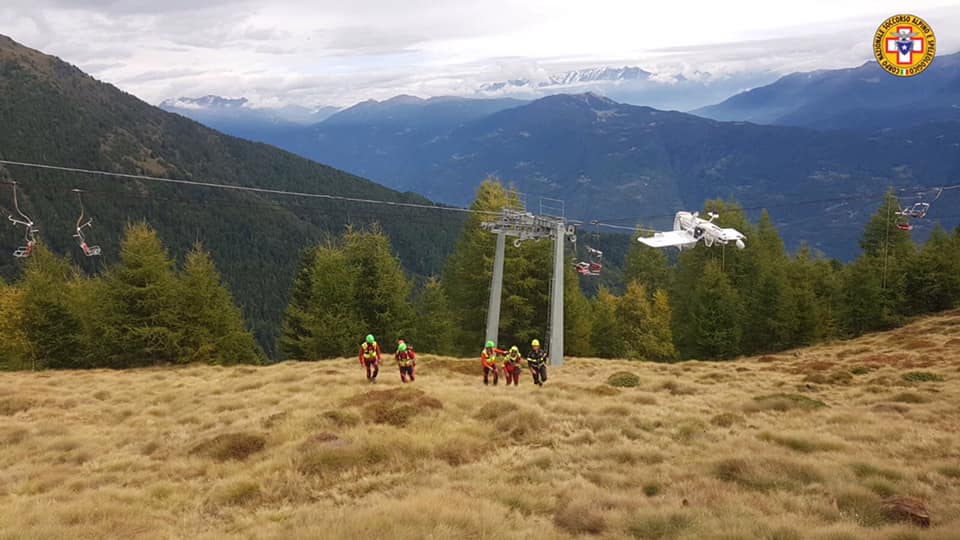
(802, 444)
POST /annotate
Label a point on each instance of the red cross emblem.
(905, 45)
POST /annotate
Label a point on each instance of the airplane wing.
(731, 235)
(668, 239)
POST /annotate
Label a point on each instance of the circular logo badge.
(904, 45)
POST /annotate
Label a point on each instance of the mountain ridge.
(863, 98)
(59, 115)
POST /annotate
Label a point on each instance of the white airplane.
(690, 228)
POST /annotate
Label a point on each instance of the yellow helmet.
(514, 349)
(535, 343)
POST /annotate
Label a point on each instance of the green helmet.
(490, 345)
(370, 339)
(402, 347)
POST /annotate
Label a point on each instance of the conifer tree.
(526, 285)
(139, 304)
(211, 325)
(327, 319)
(715, 313)
(646, 265)
(15, 351)
(606, 336)
(577, 317)
(933, 278)
(50, 322)
(645, 324)
(435, 329)
(382, 294)
(295, 317)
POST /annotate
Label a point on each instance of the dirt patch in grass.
(922, 376)
(623, 379)
(235, 446)
(783, 403)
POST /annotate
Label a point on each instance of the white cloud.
(334, 52)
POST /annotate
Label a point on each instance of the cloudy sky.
(320, 52)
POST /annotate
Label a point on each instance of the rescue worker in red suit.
(407, 360)
(488, 359)
(370, 357)
(512, 365)
(537, 362)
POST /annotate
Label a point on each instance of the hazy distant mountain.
(236, 117)
(608, 159)
(632, 85)
(862, 98)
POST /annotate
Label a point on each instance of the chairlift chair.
(593, 266)
(30, 231)
(88, 250)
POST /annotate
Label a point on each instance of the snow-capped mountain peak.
(205, 102)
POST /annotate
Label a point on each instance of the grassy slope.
(689, 453)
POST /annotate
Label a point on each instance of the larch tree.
(211, 325)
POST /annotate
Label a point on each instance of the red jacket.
(369, 351)
(406, 357)
(487, 361)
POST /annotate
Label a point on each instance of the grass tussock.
(951, 471)
(580, 514)
(835, 377)
(784, 403)
(804, 445)
(726, 419)
(230, 446)
(867, 470)
(909, 397)
(237, 493)
(623, 379)
(766, 474)
(921, 377)
(656, 526)
(12, 405)
(340, 418)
